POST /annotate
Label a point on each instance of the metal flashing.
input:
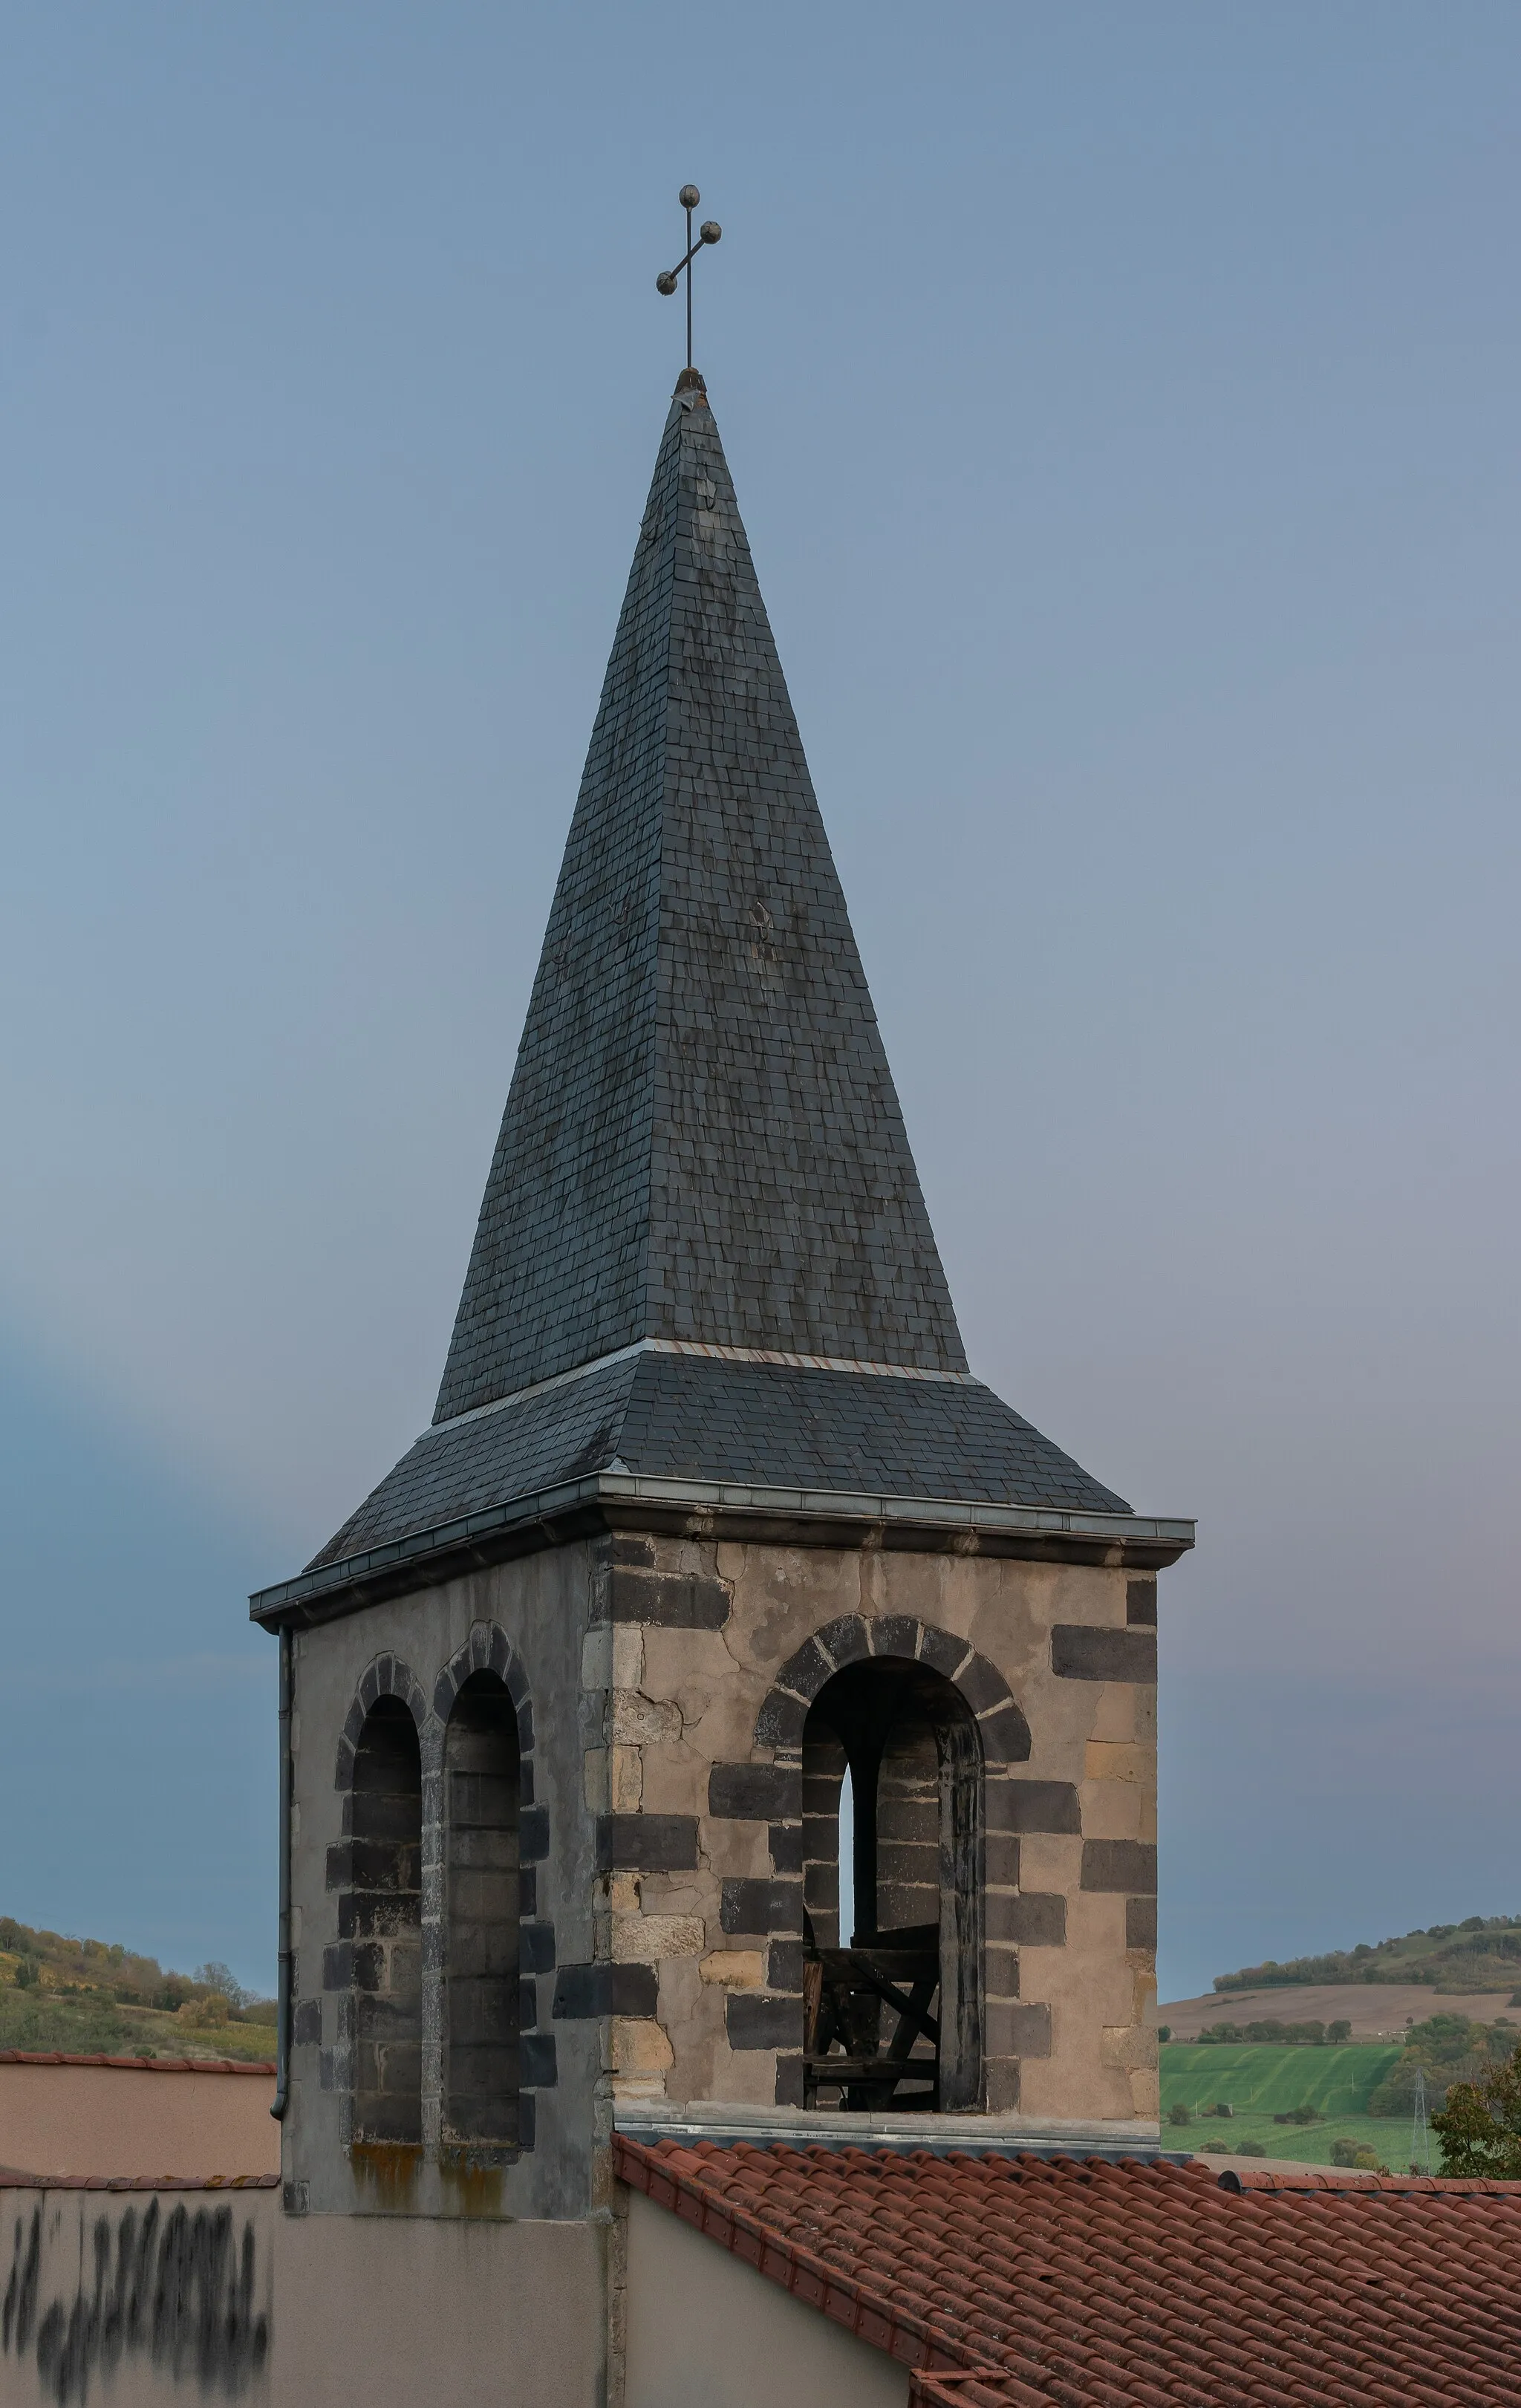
(701, 1501)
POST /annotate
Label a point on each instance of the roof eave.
(719, 1508)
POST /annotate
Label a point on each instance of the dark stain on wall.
(175, 2289)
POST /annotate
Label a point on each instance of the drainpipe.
(283, 2039)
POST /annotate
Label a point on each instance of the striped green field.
(1337, 2081)
(1258, 2082)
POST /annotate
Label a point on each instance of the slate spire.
(702, 1141)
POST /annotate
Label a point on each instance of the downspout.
(282, 2012)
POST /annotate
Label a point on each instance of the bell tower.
(719, 1593)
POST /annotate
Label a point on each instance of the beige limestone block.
(735, 1969)
(638, 1721)
(1116, 1720)
(737, 1849)
(645, 1939)
(1051, 1860)
(680, 1894)
(638, 2045)
(1120, 1761)
(1072, 2082)
(1095, 1985)
(676, 1779)
(627, 1782)
(624, 1893)
(746, 2076)
(1145, 2091)
(1121, 2044)
(595, 1779)
(638, 2085)
(628, 1656)
(1114, 1809)
(695, 2016)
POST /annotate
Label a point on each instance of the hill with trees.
(1483, 1953)
(57, 1992)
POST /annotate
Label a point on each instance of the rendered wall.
(140, 2299)
(161, 2299)
(123, 2120)
(395, 2311)
(706, 2332)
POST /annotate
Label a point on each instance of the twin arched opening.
(464, 1885)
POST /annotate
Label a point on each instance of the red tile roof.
(11, 2178)
(1017, 2281)
(265, 2065)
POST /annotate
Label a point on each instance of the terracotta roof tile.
(11, 2178)
(1020, 2282)
(262, 2065)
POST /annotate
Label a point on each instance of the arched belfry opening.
(384, 1918)
(892, 2005)
(482, 1800)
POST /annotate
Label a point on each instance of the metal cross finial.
(708, 232)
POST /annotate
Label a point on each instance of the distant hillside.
(1482, 1953)
(87, 1995)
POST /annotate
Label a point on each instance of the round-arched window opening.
(383, 1917)
(482, 1800)
(892, 2004)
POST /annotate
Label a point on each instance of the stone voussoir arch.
(384, 1676)
(1002, 1730)
(488, 1648)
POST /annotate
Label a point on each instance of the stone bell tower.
(712, 1520)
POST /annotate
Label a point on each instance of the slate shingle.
(702, 1138)
(769, 1425)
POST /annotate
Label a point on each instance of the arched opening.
(483, 1792)
(890, 2004)
(385, 1922)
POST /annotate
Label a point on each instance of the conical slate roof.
(702, 1139)
(703, 1251)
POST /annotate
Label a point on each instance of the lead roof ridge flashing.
(699, 1347)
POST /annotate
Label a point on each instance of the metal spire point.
(710, 231)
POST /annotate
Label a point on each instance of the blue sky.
(1123, 404)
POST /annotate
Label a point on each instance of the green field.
(1256, 2081)
(1338, 2081)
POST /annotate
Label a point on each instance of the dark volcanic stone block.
(649, 1843)
(1140, 1923)
(585, 1990)
(1033, 1806)
(753, 1793)
(764, 2023)
(1081, 1652)
(1012, 2031)
(1141, 1602)
(674, 1601)
(1119, 1865)
(1035, 1919)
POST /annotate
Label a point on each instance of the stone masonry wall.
(695, 1643)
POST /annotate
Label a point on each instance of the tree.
(221, 1979)
(1480, 2127)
